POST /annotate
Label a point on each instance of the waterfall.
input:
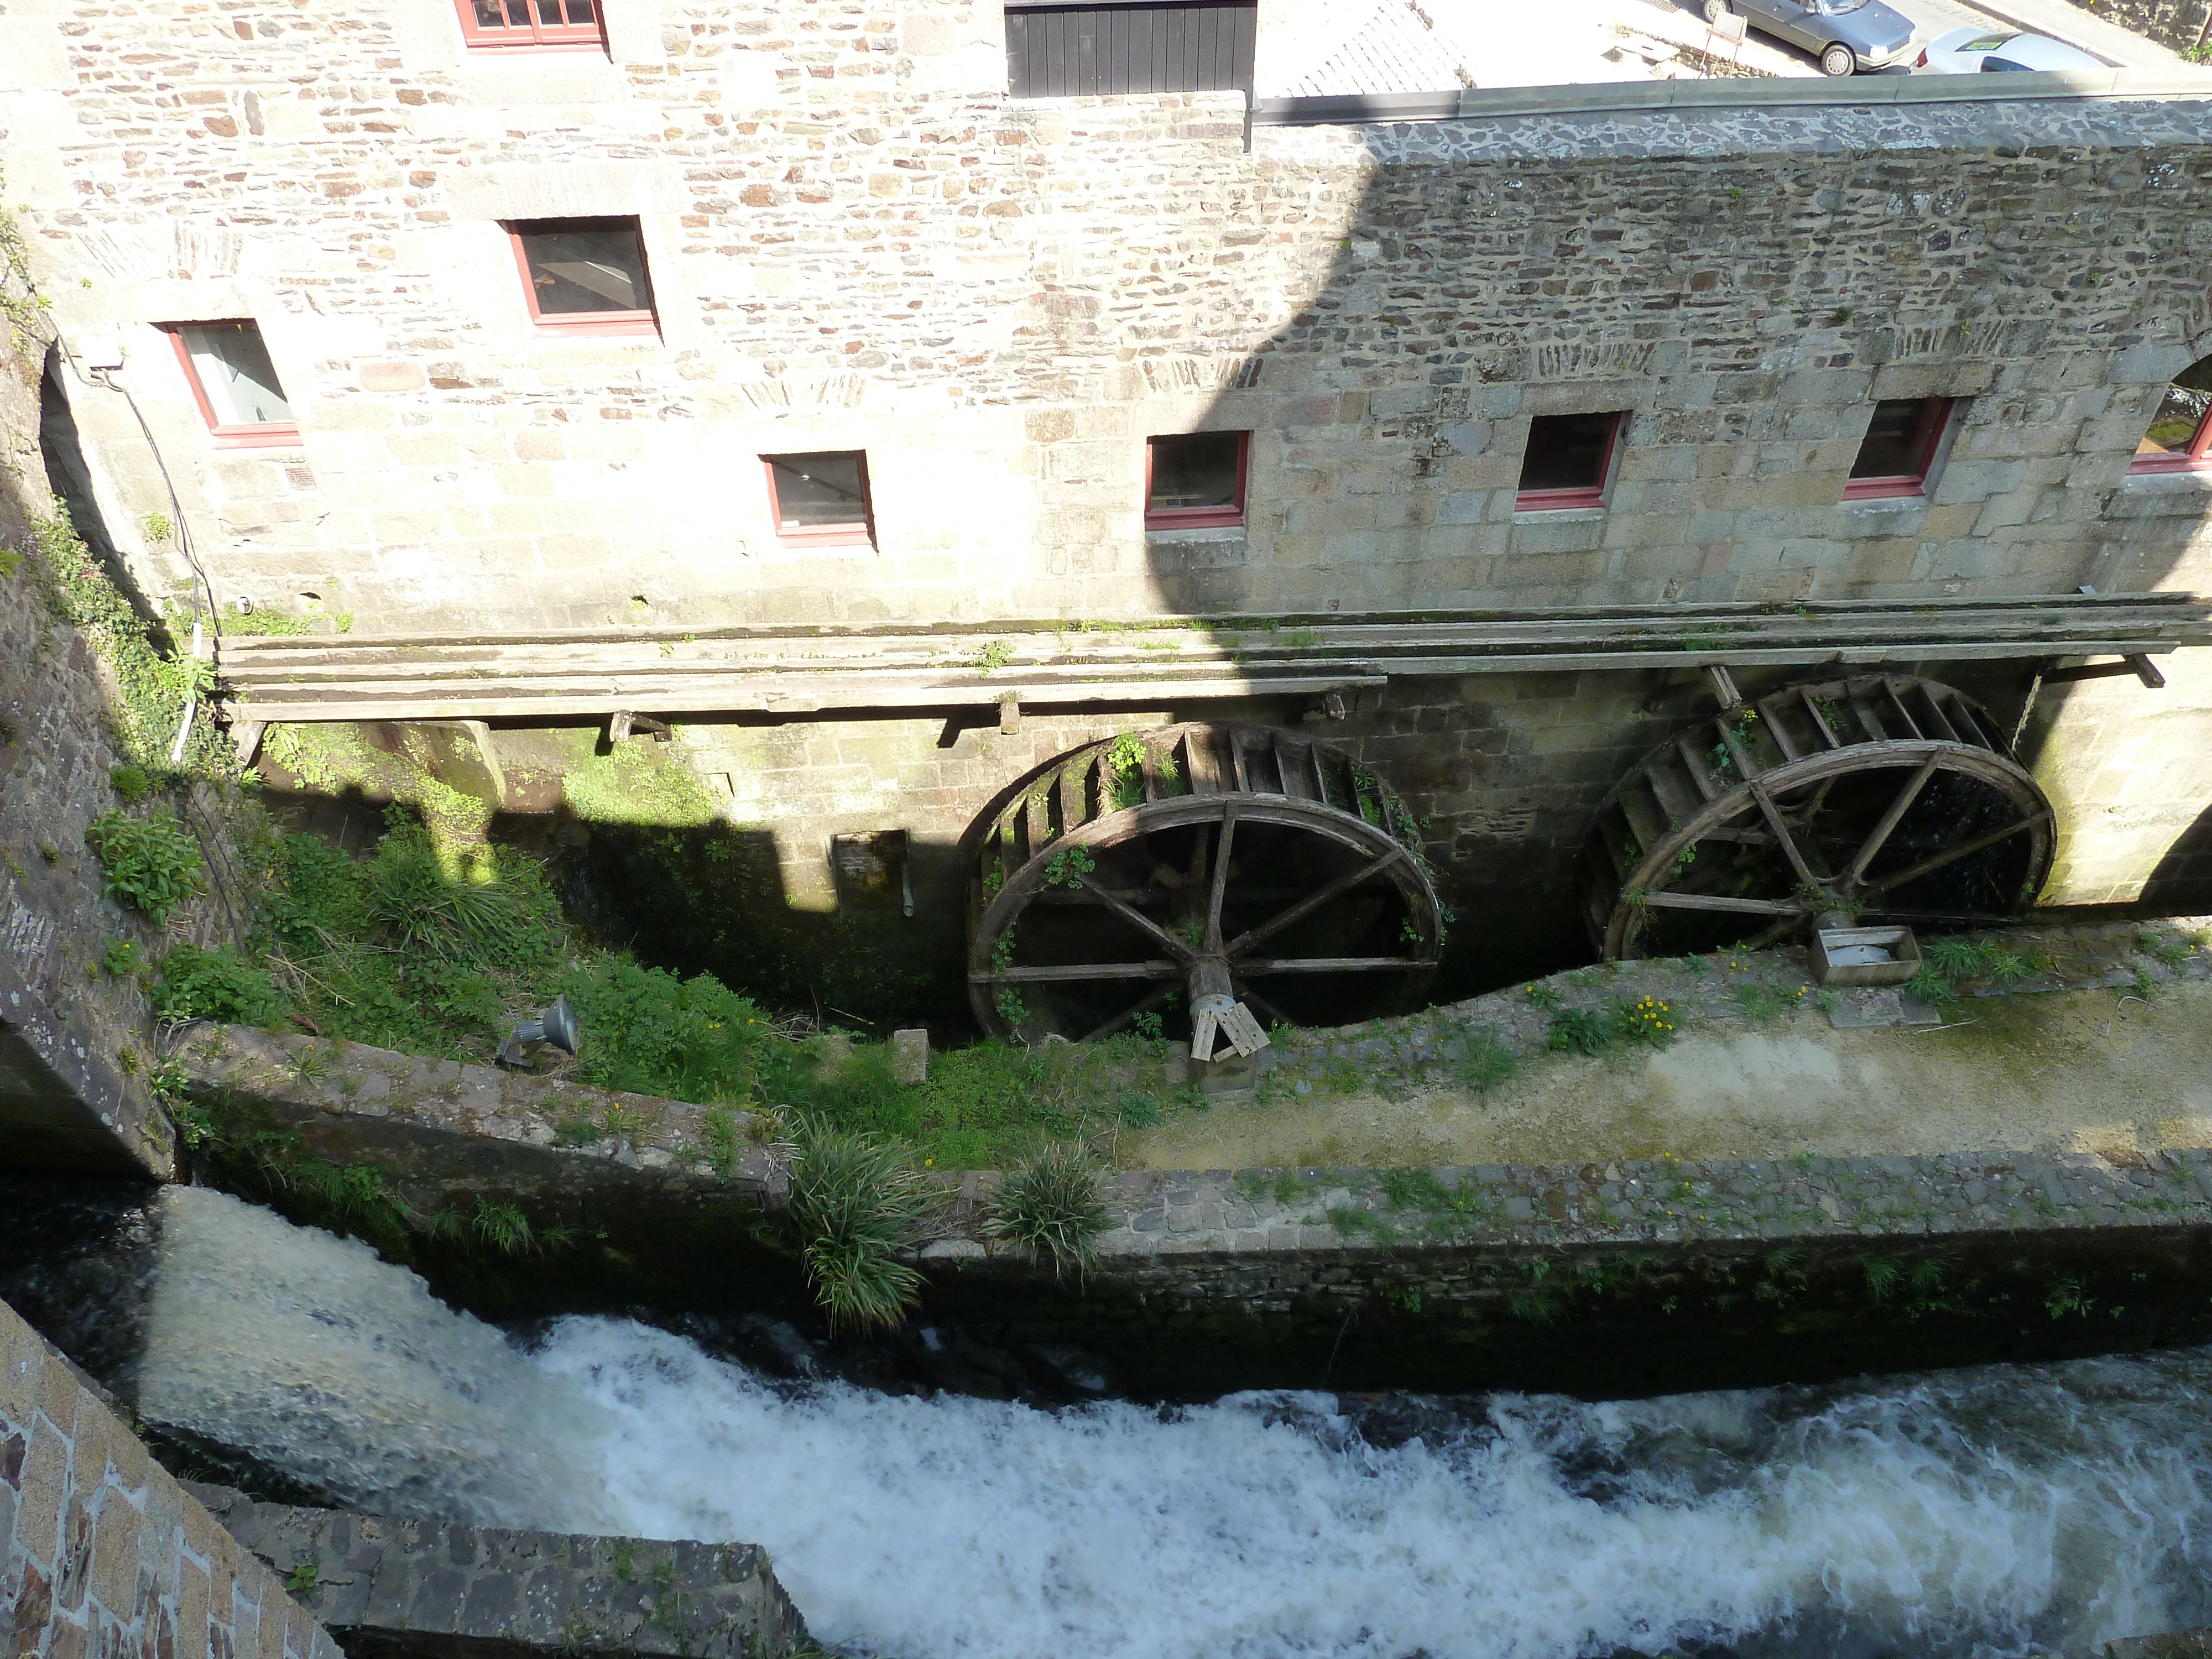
(2000, 1510)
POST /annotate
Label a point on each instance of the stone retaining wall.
(1439, 1277)
(102, 1553)
(389, 1588)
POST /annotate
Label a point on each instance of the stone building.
(774, 367)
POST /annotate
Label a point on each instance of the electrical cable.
(101, 377)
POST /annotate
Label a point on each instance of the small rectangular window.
(584, 275)
(1196, 480)
(2180, 435)
(1900, 447)
(821, 496)
(234, 381)
(1567, 462)
(562, 24)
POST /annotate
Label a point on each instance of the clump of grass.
(1484, 1064)
(1763, 1004)
(1974, 958)
(1050, 1203)
(857, 1208)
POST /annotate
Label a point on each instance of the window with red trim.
(1568, 461)
(1196, 480)
(821, 496)
(558, 23)
(2180, 435)
(584, 275)
(1900, 447)
(227, 366)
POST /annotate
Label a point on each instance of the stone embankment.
(391, 1588)
(1598, 1272)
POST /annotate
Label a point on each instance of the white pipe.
(191, 705)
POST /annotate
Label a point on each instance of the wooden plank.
(1667, 900)
(1328, 965)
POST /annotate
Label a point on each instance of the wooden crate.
(1864, 956)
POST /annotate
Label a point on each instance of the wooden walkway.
(598, 671)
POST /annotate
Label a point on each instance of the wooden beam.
(2137, 663)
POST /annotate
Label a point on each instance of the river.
(1997, 1510)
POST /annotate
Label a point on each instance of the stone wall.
(76, 1040)
(858, 242)
(429, 1590)
(2180, 24)
(102, 1553)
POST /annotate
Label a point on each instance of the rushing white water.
(2003, 1510)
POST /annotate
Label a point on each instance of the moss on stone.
(633, 783)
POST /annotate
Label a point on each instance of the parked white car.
(1971, 51)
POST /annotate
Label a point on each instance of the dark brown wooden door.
(1075, 51)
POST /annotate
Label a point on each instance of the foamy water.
(1998, 1512)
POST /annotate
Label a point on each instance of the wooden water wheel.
(1884, 796)
(1185, 867)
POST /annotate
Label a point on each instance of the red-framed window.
(1196, 480)
(584, 275)
(2180, 435)
(1902, 441)
(226, 365)
(821, 496)
(560, 25)
(1568, 462)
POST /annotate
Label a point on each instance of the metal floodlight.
(556, 1025)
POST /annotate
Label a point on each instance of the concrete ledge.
(432, 1589)
(1856, 92)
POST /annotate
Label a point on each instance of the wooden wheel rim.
(1967, 750)
(1022, 856)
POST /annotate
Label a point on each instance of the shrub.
(1050, 1203)
(857, 1207)
(132, 783)
(650, 1032)
(153, 864)
(215, 984)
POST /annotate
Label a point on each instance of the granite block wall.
(857, 241)
(430, 1589)
(102, 1553)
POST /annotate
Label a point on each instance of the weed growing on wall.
(152, 688)
(857, 1208)
(152, 863)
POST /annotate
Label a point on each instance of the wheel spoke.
(1139, 919)
(1774, 820)
(1951, 856)
(1076, 970)
(1949, 918)
(1312, 902)
(1221, 846)
(1144, 1005)
(1664, 901)
(1889, 821)
(1259, 1005)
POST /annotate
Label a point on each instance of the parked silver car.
(1846, 35)
(1970, 50)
